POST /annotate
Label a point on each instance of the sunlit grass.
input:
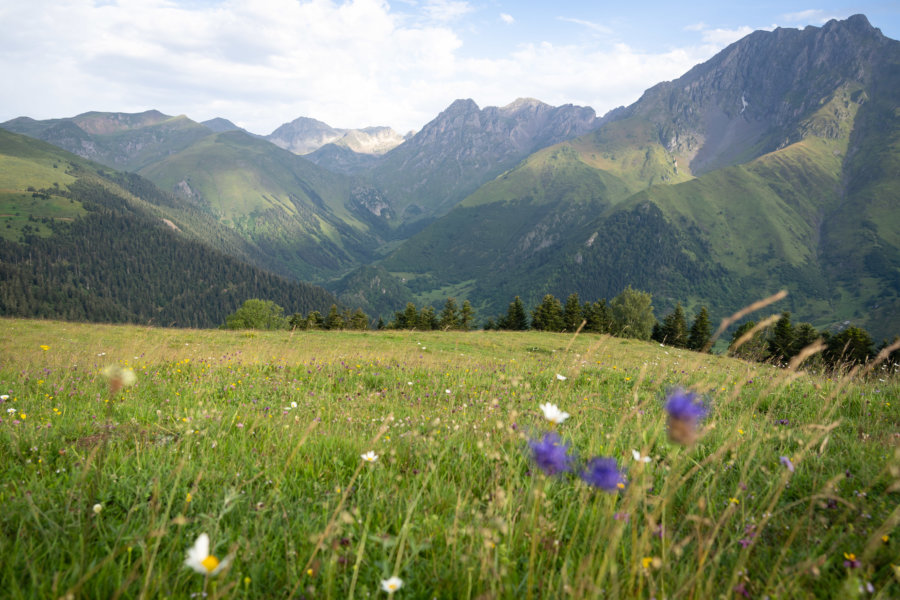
(258, 440)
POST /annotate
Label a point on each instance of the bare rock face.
(465, 146)
(755, 93)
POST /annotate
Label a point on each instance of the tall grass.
(256, 439)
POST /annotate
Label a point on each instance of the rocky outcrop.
(753, 96)
(466, 146)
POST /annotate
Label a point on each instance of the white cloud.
(350, 63)
(696, 27)
(446, 10)
(723, 37)
(589, 24)
(508, 19)
(815, 15)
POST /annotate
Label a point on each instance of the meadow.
(259, 439)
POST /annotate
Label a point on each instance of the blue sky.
(357, 63)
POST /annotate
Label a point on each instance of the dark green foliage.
(427, 319)
(466, 316)
(358, 320)
(673, 330)
(548, 316)
(804, 335)
(257, 314)
(449, 318)
(515, 319)
(407, 318)
(598, 317)
(334, 320)
(118, 264)
(849, 347)
(781, 342)
(701, 331)
(572, 315)
(754, 348)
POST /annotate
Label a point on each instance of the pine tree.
(334, 320)
(427, 319)
(804, 335)
(754, 348)
(674, 328)
(599, 318)
(781, 342)
(701, 331)
(572, 315)
(515, 319)
(548, 316)
(359, 320)
(449, 318)
(466, 316)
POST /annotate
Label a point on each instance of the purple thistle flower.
(685, 409)
(550, 454)
(685, 405)
(604, 473)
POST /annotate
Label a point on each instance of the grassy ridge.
(255, 438)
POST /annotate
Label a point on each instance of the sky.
(359, 63)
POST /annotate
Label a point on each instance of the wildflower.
(604, 473)
(392, 584)
(98, 508)
(550, 454)
(119, 377)
(45, 347)
(787, 463)
(685, 410)
(200, 560)
(639, 457)
(561, 377)
(293, 405)
(369, 456)
(4, 397)
(850, 561)
(553, 414)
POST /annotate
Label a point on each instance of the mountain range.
(772, 165)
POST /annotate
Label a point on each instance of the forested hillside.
(123, 251)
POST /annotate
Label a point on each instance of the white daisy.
(553, 414)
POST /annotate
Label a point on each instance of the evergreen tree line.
(630, 314)
(265, 314)
(119, 266)
(782, 342)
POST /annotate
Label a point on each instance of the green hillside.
(300, 214)
(123, 141)
(98, 246)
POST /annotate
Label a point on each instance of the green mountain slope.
(123, 141)
(703, 192)
(82, 243)
(301, 215)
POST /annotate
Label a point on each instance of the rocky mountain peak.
(305, 135)
(762, 85)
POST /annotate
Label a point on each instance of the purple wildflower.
(550, 454)
(787, 463)
(685, 409)
(685, 405)
(604, 473)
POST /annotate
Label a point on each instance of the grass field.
(256, 439)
